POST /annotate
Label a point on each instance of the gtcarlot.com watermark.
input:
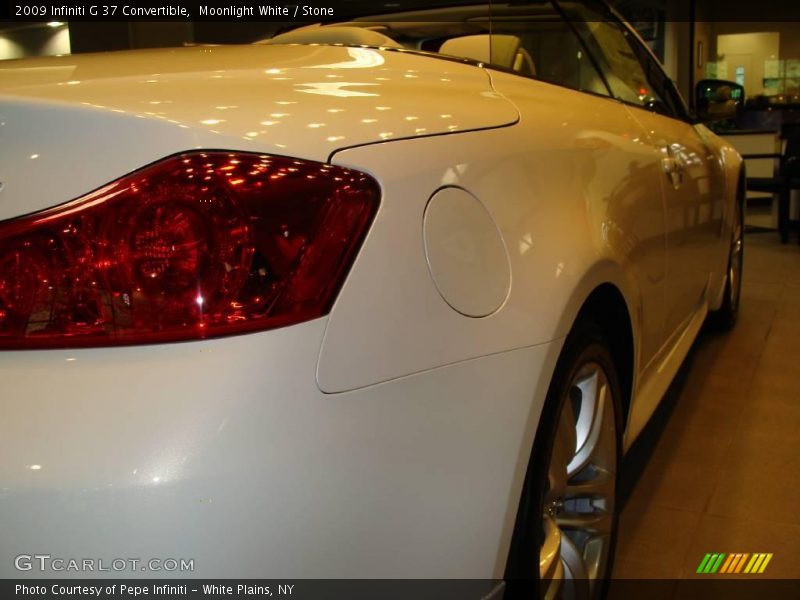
(50, 564)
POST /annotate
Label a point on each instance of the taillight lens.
(195, 246)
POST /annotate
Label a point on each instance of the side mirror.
(717, 100)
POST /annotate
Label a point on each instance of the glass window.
(632, 74)
(740, 75)
(531, 39)
(550, 51)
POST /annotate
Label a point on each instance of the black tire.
(585, 344)
(725, 317)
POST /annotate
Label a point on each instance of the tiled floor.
(720, 466)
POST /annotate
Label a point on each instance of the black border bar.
(710, 587)
(306, 11)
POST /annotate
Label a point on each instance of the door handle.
(674, 165)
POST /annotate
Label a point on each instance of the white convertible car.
(387, 298)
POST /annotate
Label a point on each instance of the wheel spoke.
(575, 570)
(595, 555)
(594, 391)
(550, 554)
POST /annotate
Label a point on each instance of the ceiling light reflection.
(362, 58)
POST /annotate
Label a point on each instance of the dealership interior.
(722, 454)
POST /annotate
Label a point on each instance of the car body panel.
(226, 452)
(554, 194)
(149, 104)
(695, 195)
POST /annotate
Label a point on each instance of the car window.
(531, 39)
(552, 50)
(630, 71)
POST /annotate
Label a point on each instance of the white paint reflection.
(525, 244)
(330, 88)
(361, 58)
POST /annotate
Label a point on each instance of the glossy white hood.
(71, 124)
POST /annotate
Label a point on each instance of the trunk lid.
(71, 124)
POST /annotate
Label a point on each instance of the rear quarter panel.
(555, 184)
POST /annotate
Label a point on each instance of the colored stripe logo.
(719, 562)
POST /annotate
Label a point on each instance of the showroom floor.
(719, 468)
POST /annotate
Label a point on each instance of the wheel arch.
(607, 296)
(606, 307)
(601, 301)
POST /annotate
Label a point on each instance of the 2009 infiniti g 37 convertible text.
(385, 298)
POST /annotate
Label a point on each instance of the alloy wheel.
(578, 515)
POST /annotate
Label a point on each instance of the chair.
(500, 50)
(787, 177)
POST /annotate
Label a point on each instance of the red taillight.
(195, 246)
